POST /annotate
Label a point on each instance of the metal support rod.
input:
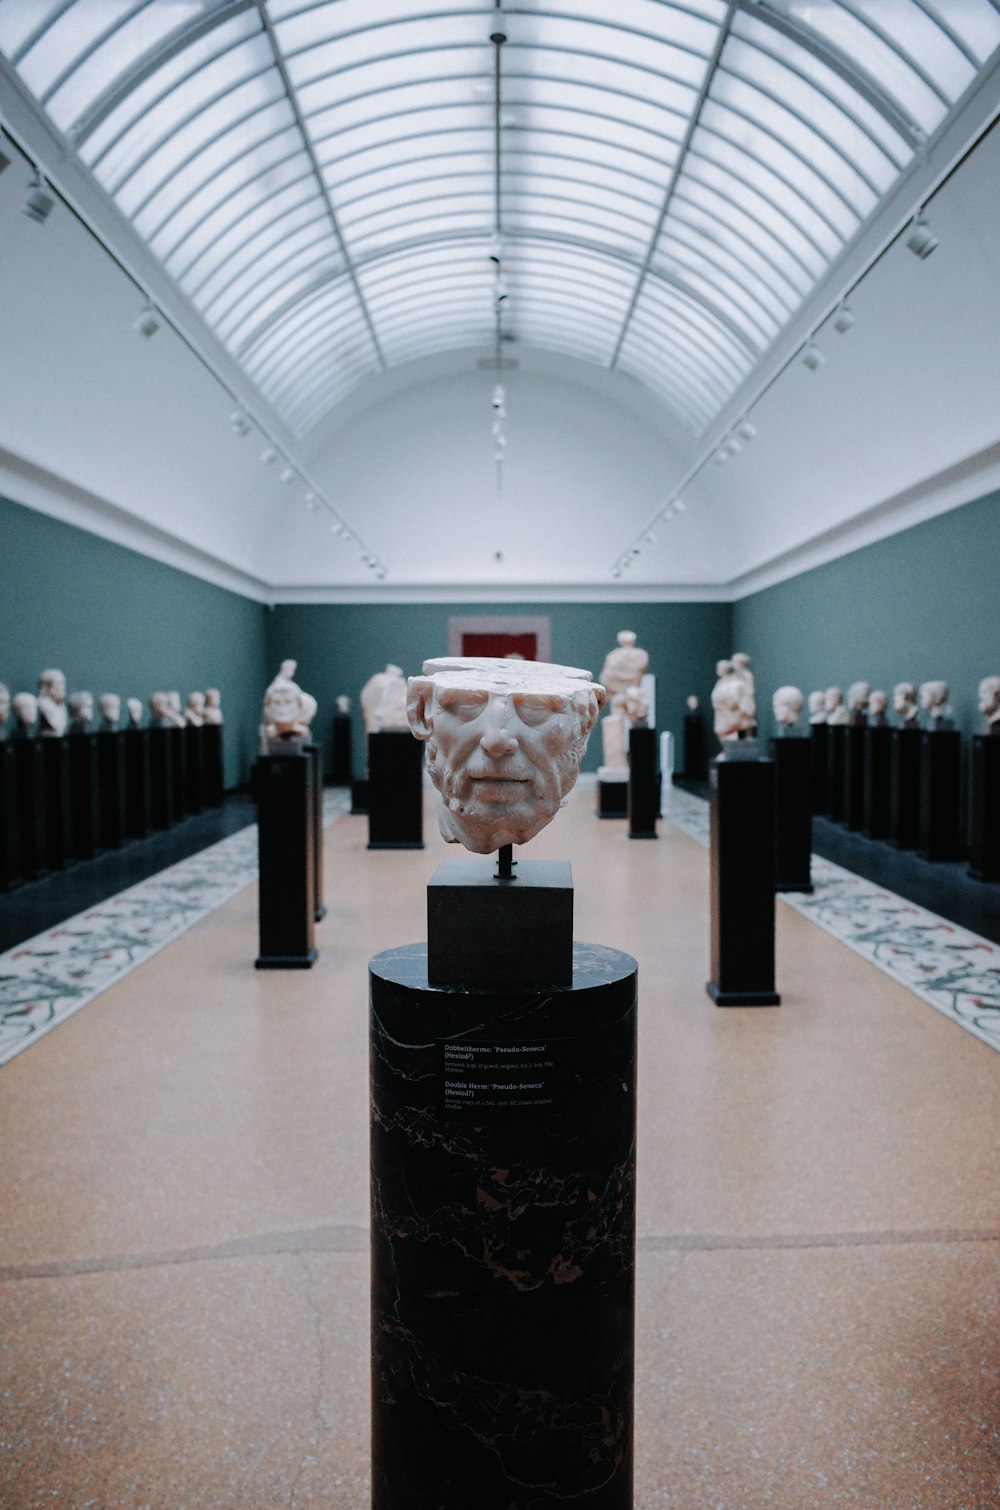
(505, 863)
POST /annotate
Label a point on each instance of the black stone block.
(742, 856)
(500, 935)
(643, 784)
(213, 765)
(315, 754)
(904, 789)
(32, 799)
(84, 795)
(395, 791)
(940, 794)
(878, 780)
(342, 764)
(985, 846)
(10, 835)
(111, 789)
(695, 748)
(359, 797)
(792, 758)
(612, 799)
(161, 777)
(819, 735)
(854, 776)
(137, 783)
(836, 764)
(194, 769)
(285, 830)
(58, 801)
(177, 744)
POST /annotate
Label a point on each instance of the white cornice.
(540, 592)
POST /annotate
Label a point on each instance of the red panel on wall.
(524, 645)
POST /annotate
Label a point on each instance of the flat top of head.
(493, 674)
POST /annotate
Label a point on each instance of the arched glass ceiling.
(670, 178)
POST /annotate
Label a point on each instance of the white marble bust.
(4, 709)
(26, 712)
(723, 669)
(194, 710)
(134, 706)
(212, 711)
(110, 705)
(81, 705)
(989, 703)
(692, 703)
(165, 715)
(787, 705)
(904, 702)
(833, 701)
(934, 702)
(288, 710)
(734, 709)
(342, 704)
(817, 707)
(877, 704)
(858, 694)
(504, 743)
(52, 703)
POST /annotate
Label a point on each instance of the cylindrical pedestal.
(503, 1239)
(854, 776)
(213, 765)
(111, 788)
(792, 758)
(878, 767)
(643, 784)
(836, 762)
(819, 735)
(58, 800)
(285, 827)
(10, 838)
(985, 847)
(695, 748)
(32, 808)
(904, 789)
(342, 763)
(161, 776)
(742, 883)
(83, 795)
(194, 769)
(137, 783)
(395, 791)
(315, 755)
(940, 794)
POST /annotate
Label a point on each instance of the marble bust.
(384, 701)
(989, 703)
(342, 705)
(4, 709)
(692, 703)
(194, 710)
(52, 703)
(635, 706)
(858, 694)
(787, 705)
(817, 707)
(504, 743)
(81, 705)
(877, 704)
(26, 712)
(212, 709)
(110, 705)
(904, 702)
(288, 710)
(833, 701)
(934, 702)
(134, 706)
(733, 706)
(165, 715)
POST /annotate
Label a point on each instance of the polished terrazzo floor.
(183, 1290)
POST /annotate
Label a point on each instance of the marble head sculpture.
(212, 712)
(504, 743)
(110, 705)
(877, 704)
(134, 706)
(904, 702)
(934, 701)
(165, 715)
(858, 694)
(52, 702)
(817, 707)
(787, 705)
(989, 703)
(692, 703)
(194, 710)
(287, 709)
(4, 708)
(733, 705)
(833, 700)
(81, 705)
(26, 711)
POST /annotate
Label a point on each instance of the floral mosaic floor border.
(955, 971)
(48, 978)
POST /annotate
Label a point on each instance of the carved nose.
(497, 742)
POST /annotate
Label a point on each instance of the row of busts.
(865, 706)
(50, 713)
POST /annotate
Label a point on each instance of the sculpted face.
(787, 705)
(52, 683)
(26, 709)
(134, 706)
(110, 705)
(904, 697)
(989, 696)
(4, 703)
(504, 743)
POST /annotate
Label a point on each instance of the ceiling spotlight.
(37, 202)
(921, 240)
(148, 322)
(650, 538)
(680, 507)
(812, 356)
(239, 422)
(636, 550)
(499, 394)
(734, 445)
(746, 429)
(720, 456)
(616, 571)
(844, 318)
(668, 513)
(286, 474)
(311, 501)
(268, 455)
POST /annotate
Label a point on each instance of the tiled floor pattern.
(955, 971)
(48, 978)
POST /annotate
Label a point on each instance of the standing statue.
(624, 667)
(342, 705)
(212, 713)
(989, 703)
(787, 706)
(383, 701)
(817, 707)
(52, 703)
(904, 702)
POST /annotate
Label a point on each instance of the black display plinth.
(285, 825)
(503, 1238)
(138, 813)
(111, 789)
(836, 764)
(819, 738)
(58, 801)
(213, 765)
(359, 797)
(904, 788)
(878, 780)
(742, 882)
(643, 784)
(984, 853)
(395, 791)
(508, 935)
(83, 795)
(32, 808)
(792, 758)
(194, 769)
(315, 755)
(342, 763)
(612, 798)
(940, 794)
(161, 776)
(695, 748)
(10, 838)
(177, 743)
(854, 776)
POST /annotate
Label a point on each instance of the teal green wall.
(115, 621)
(339, 646)
(923, 604)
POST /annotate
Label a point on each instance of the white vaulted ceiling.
(324, 201)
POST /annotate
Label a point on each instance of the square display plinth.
(490, 934)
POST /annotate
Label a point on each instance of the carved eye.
(463, 705)
(536, 710)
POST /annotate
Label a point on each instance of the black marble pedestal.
(161, 777)
(10, 838)
(505, 934)
(213, 765)
(32, 799)
(643, 784)
(285, 829)
(395, 791)
(83, 780)
(854, 776)
(836, 763)
(58, 801)
(315, 754)
(503, 1239)
(612, 799)
(695, 748)
(341, 773)
(940, 794)
(878, 780)
(177, 741)
(741, 886)
(904, 789)
(359, 797)
(819, 735)
(984, 850)
(792, 758)
(137, 783)
(112, 811)
(194, 769)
